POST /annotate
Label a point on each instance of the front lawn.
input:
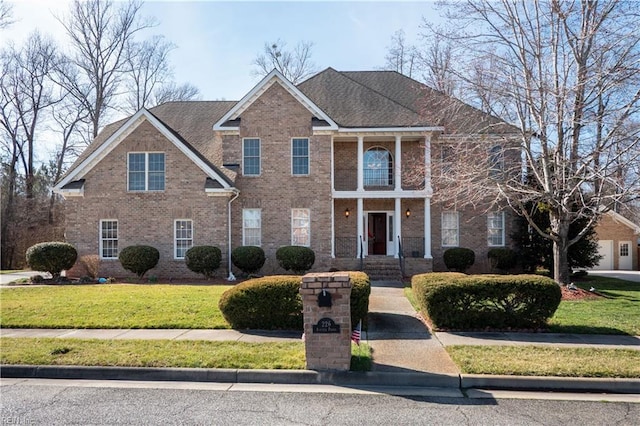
(546, 361)
(112, 306)
(152, 353)
(617, 313)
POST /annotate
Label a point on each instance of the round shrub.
(53, 257)
(249, 259)
(297, 259)
(203, 260)
(268, 303)
(360, 291)
(139, 259)
(502, 258)
(459, 258)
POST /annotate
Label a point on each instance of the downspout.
(236, 193)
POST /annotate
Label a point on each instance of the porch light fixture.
(347, 213)
(408, 213)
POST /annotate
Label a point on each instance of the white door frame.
(389, 220)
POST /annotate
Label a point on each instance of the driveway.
(623, 275)
(7, 278)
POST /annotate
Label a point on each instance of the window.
(496, 161)
(300, 227)
(183, 237)
(378, 167)
(109, 239)
(495, 229)
(300, 156)
(624, 249)
(146, 171)
(251, 223)
(450, 229)
(446, 159)
(251, 156)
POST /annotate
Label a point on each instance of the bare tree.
(6, 14)
(172, 92)
(569, 72)
(99, 33)
(295, 65)
(401, 56)
(436, 61)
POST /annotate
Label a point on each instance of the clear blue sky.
(217, 41)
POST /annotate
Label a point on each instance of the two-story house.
(341, 163)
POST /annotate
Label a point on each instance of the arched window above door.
(378, 167)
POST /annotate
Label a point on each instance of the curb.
(430, 380)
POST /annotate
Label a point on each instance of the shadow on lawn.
(584, 329)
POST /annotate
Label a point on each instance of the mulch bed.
(578, 294)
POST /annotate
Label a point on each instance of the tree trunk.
(560, 228)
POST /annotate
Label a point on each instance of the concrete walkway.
(399, 340)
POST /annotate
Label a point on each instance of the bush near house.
(459, 259)
(203, 260)
(423, 284)
(503, 259)
(139, 259)
(493, 301)
(274, 302)
(249, 259)
(297, 259)
(268, 303)
(53, 257)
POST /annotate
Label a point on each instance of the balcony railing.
(346, 179)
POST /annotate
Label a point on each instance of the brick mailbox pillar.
(326, 306)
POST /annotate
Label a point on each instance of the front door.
(377, 233)
(624, 256)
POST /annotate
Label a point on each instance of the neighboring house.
(618, 243)
(322, 164)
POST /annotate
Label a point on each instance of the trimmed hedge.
(360, 291)
(422, 284)
(267, 303)
(139, 259)
(203, 260)
(493, 301)
(274, 302)
(249, 259)
(53, 257)
(297, 259)
(459, 258)
(502, 258)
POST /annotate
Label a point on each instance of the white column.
(427, 228)
(333, 166)
(333, 228)
(398, 166)
(397, 222)
(360, 219)
(360, 163)
(427, 163)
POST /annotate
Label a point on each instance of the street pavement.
(405, 353)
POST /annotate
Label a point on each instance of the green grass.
(112, 306)
(360, 357)
(152, 353)
(11, 271)
(546, 361)
(617, 313)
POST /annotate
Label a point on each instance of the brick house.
(322, 164)
(618, 240)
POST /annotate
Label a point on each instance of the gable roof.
(617, 217)
(228, 121)
(113, 134)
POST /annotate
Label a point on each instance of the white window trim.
(308, 227)
(503, 230)
(244, 243)
(308, 157)
(101, 243)
(175, 237)
(457, 228)
(146, 171)
(259, 157)
(391, 177)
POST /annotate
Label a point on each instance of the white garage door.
(605, 249)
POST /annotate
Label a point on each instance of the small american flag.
(355, 335)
